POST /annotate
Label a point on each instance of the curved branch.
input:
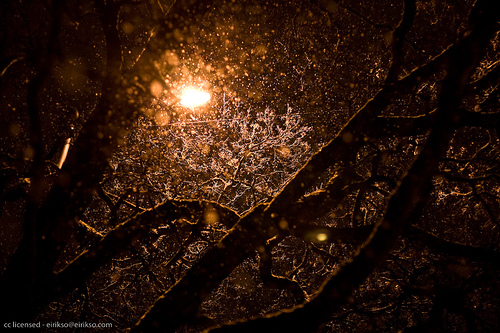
(257, 226)
(122, 236)
(337, 290)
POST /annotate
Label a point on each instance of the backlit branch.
(123, 235)
(337, 290)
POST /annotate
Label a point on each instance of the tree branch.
(337, 290)
(122, 236)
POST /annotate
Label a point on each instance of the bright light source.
(321, 236)
(193, 98)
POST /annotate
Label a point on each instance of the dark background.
(349, 156)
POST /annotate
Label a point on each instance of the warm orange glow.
(192, 97)
(321, 236)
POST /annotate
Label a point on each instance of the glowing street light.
(192, 97)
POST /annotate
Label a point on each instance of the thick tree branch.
(429, 239)
(419, 125)
(123, 235)
(398, 36)
(21, 278)
(254, 228)
(88, 159)
(337, 290)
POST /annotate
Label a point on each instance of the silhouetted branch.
(338, 288)
(398, 38)
(123, 235)
(85, 166)
(320, 202)
(252, 230)
(28, 265)
(470, 180)
(274, 281)
(180, 303)
(450, 247)
(177, 237)
(419, 125)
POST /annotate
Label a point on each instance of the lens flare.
(192, 97)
